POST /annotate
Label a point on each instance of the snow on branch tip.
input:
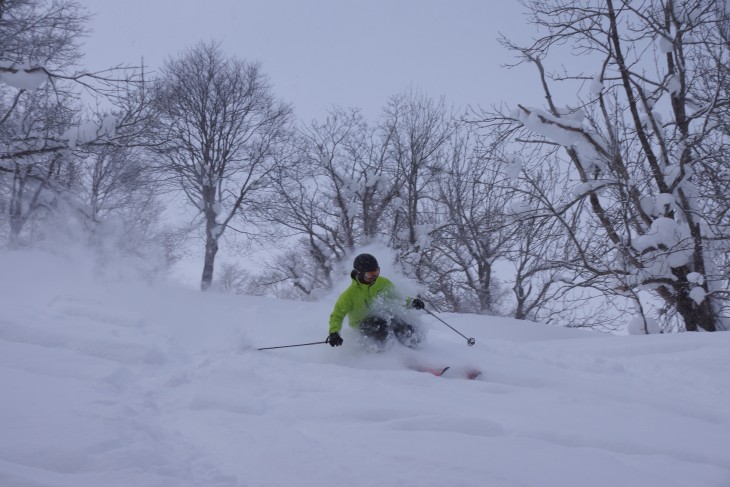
(23, 78)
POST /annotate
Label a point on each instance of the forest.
(568, 213)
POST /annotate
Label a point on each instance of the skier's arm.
(342, 307)
(391, 293)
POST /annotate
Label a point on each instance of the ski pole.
(469, 341)
(289, 346)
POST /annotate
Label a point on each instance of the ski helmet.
(365, 263)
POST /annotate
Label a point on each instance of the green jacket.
(355, 302)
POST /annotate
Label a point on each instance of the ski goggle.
(371, 274)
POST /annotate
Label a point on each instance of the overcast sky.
(320, 53)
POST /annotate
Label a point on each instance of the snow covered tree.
(118, 197)
(40, 117)
(293, 274)
(471, 234)
(352, 184)
(233, 279)
(546, 221)
(220, 133)
(33, 181)
(418, 130)
(645, 143)
(39, 51)
(335, 196)
(541, 250)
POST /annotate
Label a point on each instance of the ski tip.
(458, 372)
(437, 371)
(472, 374)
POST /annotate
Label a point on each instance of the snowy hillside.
(121, 385)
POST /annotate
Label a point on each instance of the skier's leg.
(375, 329)
(406, 333)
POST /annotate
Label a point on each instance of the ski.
(462, 373)
(467, 373)
(472, 374)
(436, 372)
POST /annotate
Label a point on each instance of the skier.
(364, 304)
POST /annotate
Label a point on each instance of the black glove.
(418, 304)
(335, 340)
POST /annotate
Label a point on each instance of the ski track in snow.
(118, 385)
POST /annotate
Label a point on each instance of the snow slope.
(132, 385)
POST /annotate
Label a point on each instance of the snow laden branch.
(644, 147)
(23, 78)
(566, 132)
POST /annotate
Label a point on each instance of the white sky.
(320, 53)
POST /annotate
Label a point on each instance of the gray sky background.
(320, 53)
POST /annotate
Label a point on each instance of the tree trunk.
(16, 225)
(484, 293)
(696, 316)
(211, 249)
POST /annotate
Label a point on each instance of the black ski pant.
(379, 329)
